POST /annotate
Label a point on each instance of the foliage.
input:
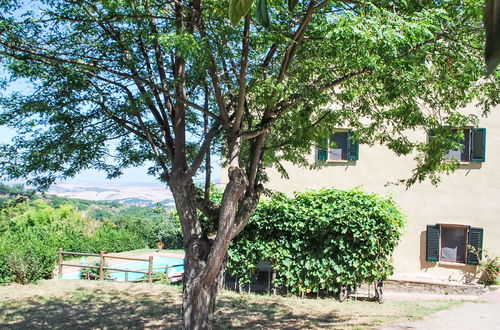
(25, 267)
(489, 266)
(160, 277)
(153, 225)
(320, 239)
(34, 231)
(374, 63)
(491, 270)
(93, 272)
(239, 8)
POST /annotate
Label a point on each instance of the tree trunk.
(204, 259)
(199, 292)
(198, 303)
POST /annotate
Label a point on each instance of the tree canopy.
(106, 71)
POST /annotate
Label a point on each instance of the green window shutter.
(352, 147)
(475, 240)
(432, 243)
(323, 152)
(478, 149)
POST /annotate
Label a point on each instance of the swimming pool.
(159, 265)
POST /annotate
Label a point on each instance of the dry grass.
(63, 304)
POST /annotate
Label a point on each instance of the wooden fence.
(102, 266)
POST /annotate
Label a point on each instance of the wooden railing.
(102, 266)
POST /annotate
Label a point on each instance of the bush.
(491, 271)
(25, 267)
(159, 277)
(319, 239)
(489, 266)
(153, 225)
(34, 231)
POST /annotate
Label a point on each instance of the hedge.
(319, 240)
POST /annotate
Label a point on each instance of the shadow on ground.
(117, 309)
(120, 306)
(239, 313)
(85, 309)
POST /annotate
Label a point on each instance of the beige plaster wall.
(471, 195)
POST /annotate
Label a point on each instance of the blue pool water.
(159, 265)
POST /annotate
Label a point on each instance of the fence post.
(101, 265)
(60, 263)
(150, 270)
(126, 276)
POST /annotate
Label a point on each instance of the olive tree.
(120, 83)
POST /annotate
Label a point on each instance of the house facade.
(464, 208)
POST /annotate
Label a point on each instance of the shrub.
(34, 231)
(93, 272)
(491, 270)
(489, 266)
(160, 277)
(25, 267)
(320, 239)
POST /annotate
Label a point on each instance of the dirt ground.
(78, 304)
(484, 314)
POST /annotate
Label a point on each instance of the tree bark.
(198, 302)
(204, 259)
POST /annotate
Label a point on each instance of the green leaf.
(261, 13)
(238, 9)
(492, 26)
(292, 4)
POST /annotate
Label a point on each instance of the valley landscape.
(147, 195)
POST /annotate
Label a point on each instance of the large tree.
(117, 83)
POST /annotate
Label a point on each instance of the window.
(473, 146)
(453, 243)
(448, 242)
(340, 146)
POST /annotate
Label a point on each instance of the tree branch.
(242, 77)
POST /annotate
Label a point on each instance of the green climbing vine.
(319, 239)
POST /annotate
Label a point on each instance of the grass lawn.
(75, 304)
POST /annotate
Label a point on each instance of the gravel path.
(483, 314)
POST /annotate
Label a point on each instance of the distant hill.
(96, 209)
(138, 195)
